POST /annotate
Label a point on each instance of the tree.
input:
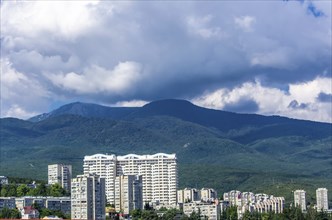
(7, 213)
(136, 214)
(230, 213)
(56, 190)
(169, 214)
(22, 190)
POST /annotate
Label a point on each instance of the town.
(142, 187)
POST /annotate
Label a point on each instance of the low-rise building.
(29, 212)
(7, 202)
(3, 180)
(205, 209)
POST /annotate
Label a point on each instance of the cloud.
(20, 95)
(256, 98)
(242, 106)
(62, 19)
(110, 52)
(245, 22)
(96, 79)
(131, 103)
(323, 97)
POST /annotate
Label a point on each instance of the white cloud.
(272, 101)
(96, 79)
(66, 19)
(245, 22)
(201, 26)
(20, 95)
(131, 103)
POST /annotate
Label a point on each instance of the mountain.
(221, 149)
(243, 128)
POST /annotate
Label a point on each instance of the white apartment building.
(322, 199)
(88, 197)
(61, 174)
(159, 175)
(128, 193)
(208, 194)
(105, 167)
(188, 195)
(299, 199)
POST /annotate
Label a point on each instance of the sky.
(263, 57)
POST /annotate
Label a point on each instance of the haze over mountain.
(246, 147)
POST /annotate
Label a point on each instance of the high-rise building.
(159, 176)
(61, 174)
(128, 193)
(322, 201)
(88, 197)
(158, 171)
(105, 167)
(299, 199)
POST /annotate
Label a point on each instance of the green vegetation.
(18, 190)
(7, 213)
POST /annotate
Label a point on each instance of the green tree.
(230, 213)
(22, 190)
(149, 215)
(136, 214)
(56, 190)
(169, 214)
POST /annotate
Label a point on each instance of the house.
(28, 212)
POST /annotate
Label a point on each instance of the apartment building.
(61, 174)
(206, 210)
(188, 195)
(105, 167)
(159, 175)
(88, 197)
(299, 199)
(322, 199)
(7, 202)
(128, 193)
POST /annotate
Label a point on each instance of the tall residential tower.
(322, 201)
(61, 174)
(88, 197)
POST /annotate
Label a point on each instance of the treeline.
(18, 190)
(293, 213)
(230, 213)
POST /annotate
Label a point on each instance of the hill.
(227, 150)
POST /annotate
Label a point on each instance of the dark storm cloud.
(242, 106)
(112, 51)
(323, 97)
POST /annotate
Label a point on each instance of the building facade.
(299, 199)
(105, 167)
(159, 176)
(206, 210)
(128, 193)
(7, 202)
(61, 174)
(322, 199)
(3, 180)
(188, 195)
(88, 197)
